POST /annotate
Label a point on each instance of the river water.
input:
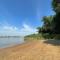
(10, 41)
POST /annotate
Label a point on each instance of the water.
(10, 41)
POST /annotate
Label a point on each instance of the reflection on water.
(7, 41)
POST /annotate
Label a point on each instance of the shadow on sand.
(53, 42)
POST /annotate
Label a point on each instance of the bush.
(42, 36)
(48, 36)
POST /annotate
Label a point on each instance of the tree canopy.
(56, 5)
(51, 24)
(56, 20)
(47, 24)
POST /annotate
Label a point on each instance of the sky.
(23, 16)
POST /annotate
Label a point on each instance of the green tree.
(56, 20)
(56, 5)
(56, 23)
(47, 25)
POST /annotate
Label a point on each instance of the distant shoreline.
(10, 36)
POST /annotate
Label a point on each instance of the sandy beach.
(35, 50)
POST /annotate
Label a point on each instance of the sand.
(35, 50)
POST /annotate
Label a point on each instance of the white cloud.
(9, 28)
(28, 29)
(12, 30)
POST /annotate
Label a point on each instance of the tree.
(56, 20)
(51, 23)
(47, 25)
(56, 23)
(56, 5)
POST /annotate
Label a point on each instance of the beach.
(32, 50)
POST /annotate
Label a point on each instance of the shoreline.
(32, 50)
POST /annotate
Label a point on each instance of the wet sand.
(35, 50)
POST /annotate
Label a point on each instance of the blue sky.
(22, 15)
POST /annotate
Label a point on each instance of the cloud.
(9, 28)
(12, 30)
(28, 29)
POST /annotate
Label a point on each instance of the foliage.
(51, 25)
(57, 23)
(56, 5)
(40, 36)
(34, 37)
(47, 25)
(56, 20)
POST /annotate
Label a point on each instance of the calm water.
(10, 41)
